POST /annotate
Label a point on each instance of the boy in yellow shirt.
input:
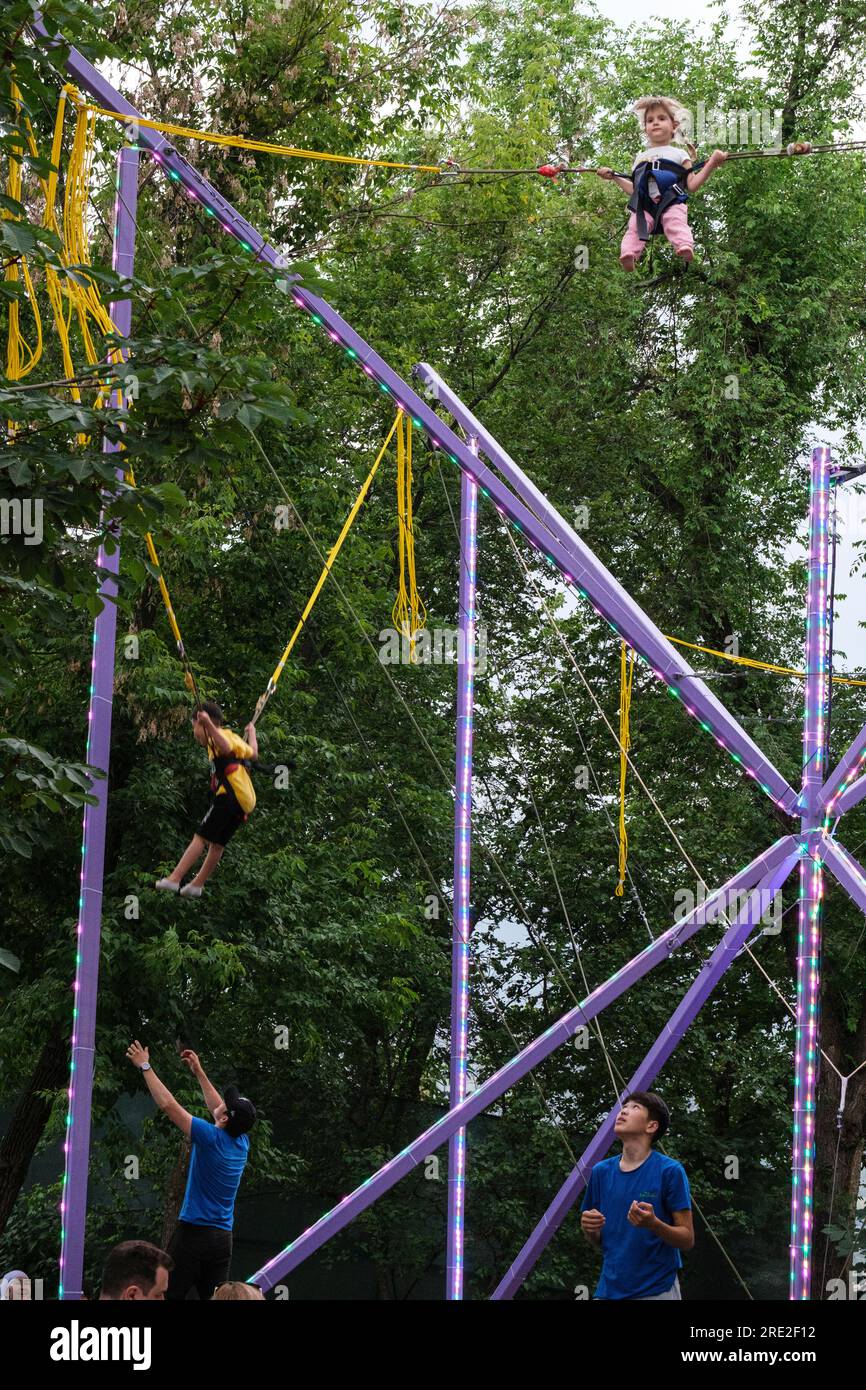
(232, 798)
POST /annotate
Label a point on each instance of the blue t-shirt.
(215, 1168)
(636, 1263)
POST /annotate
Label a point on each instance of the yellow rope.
(408, 614)
(240, 142)
(626, 678)
(21, 358)
(758, 665)
(332, 555)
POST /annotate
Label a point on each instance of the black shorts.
(221, 819)
(202, 1258)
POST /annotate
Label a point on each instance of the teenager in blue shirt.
(201, 1246)
(637, 1208)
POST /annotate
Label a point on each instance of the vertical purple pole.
(73, 1204)
(811, 882)
(462, 854)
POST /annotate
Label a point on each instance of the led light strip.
(811, 886)
(462, 893)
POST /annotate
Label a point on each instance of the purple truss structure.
(814, 810)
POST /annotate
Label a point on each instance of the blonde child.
(232, 799)
(662, 177)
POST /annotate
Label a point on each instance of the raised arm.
(212, 1097)
(252, 739)
(140, 1057)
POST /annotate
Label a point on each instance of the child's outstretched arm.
(252, 739)
(626, 185)
(694, 181)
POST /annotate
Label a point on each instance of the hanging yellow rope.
(241, 142)
(758, 665)
(408, 614)
(332, 555)
(626, 677)
(21, 358)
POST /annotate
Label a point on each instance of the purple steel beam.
(850, 797)
(844, 774)
(619, 609)
(462, 928)
(807, 1027)
(73, 1205)
(555, 540)
(507, 1076)
(668, 1039)
(846, 870)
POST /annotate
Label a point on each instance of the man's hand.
(592, 1224)
(137, 1054)
(642, 1214)
(192, 1060)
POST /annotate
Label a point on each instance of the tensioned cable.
(488, 989)
(568, 704)
(613, 1069)
(552, 866)
(413, 717)
(721, 913)
(490, 854)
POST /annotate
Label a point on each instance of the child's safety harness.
(671, 180)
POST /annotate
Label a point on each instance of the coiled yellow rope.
(408, 614)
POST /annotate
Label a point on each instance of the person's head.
(660, 119)
(236, 1115)
(643, 1114)
(135, 1269)
(211, 708)
(233, 1290)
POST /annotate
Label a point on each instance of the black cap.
(242, 1112)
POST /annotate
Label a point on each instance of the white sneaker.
(190, 891)
(167, 885)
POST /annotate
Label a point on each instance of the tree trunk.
(846, 1051)
(28, 1122)
(174, 1191)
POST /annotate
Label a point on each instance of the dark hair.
(133, 1262)
(657, 1110)
(212, 708)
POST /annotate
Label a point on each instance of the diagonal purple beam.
(683, 1016)
(502, 1080)
(844, 773)
(850, 797)
(617, 606)
(575, 561)
(846, 870)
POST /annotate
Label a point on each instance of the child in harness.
(661, 179)
(232, 798)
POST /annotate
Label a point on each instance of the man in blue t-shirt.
(638, 1209)
(201, 1246)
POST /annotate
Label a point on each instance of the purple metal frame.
(462, 913)
(807, 1051)
(528, 511)
(668, 1039)
(73, 1206)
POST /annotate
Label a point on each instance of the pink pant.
(675, 225)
